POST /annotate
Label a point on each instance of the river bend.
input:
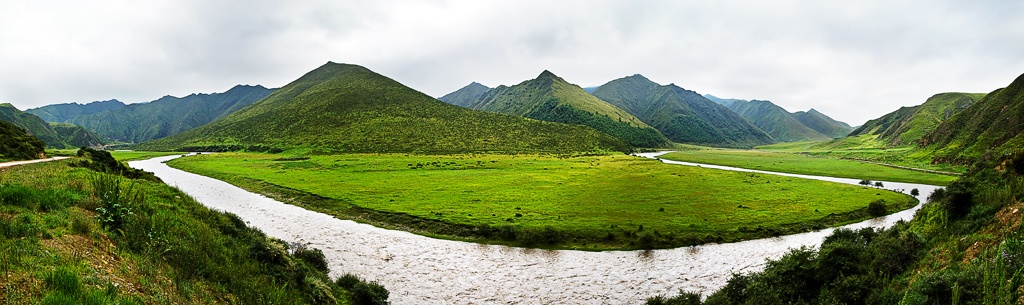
(422, 270)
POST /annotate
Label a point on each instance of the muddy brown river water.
(423, 270)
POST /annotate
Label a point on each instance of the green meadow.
(807, 165)
(591, 202)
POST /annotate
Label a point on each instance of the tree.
(878, 184)
(865, 182)
(914, 192)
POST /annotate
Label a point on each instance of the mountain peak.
(547, 74)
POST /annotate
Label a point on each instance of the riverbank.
(609, 202)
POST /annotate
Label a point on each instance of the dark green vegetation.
(69, 235)
(995, 125)
(347, 108)
(551, 98)
(681, 115)
(908, 124)
(65, 112)
(168, 115)
(466, 95)
(32, 124)
(963, 247)
(806, 165)
(104, 162)
(596, 202)
(15, 144)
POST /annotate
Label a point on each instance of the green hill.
(168, 115)
(348, 108)
(16, 144)
(466, 95)
(32, 124)
(77, 136)
(777, 122)
(681, 115)
(551, 98)
(822, 123)
(65, 112)
(908, 124)
(994, 124)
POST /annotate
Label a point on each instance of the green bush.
(371, 293)
(877, 208)
(313, 257)
(116, 197)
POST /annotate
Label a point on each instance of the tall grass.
(116, 195)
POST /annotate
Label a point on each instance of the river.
(423, 270)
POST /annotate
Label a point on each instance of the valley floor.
(549, 201)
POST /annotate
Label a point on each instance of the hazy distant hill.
(550, 98)
(681, 115)
(995, 124)
(783, 125)
(466, 95)
(348, 108)
(15, 144)
(908, 124)
(822, 123)
(777, 122)
(169, 115)
(65, 112)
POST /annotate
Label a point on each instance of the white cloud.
(853, 61)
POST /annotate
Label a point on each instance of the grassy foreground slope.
(995, 125)
(555, 201)
(681, 115)
(348, 108)
(69, 235)
(806, 165)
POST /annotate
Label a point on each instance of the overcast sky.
(852, 60)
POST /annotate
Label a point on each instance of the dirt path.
(13, 163)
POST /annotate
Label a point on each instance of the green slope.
(31, 123)
(994, 124)
(15, 144)
(77, 136)
(65, 112)
(348, 108)
(777, 122)
(908, 124)
(681, 115)
(551, 98)
(169, 115)
(466, 95)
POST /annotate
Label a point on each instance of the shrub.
(914, 192)
(877, 208)
(371, 293)
(313, 257)
(115, 198)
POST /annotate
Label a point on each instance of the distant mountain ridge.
(783, 125)
(551, 98)
(348, 108)
(465, 95)
(68, 111)
(169, 115)
(681, 115)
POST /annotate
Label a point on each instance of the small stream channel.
(422, 270)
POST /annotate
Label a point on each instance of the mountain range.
(681, 115)
(908, 124)
(65, 112)
(168, 115)
(783, 125)
(994, 124)
(348, 108)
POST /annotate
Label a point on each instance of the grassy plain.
(807, 165)
(588, 202)
(868, 148)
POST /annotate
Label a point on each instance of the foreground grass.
(807, 165)
(587, 202)
(69, 235)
